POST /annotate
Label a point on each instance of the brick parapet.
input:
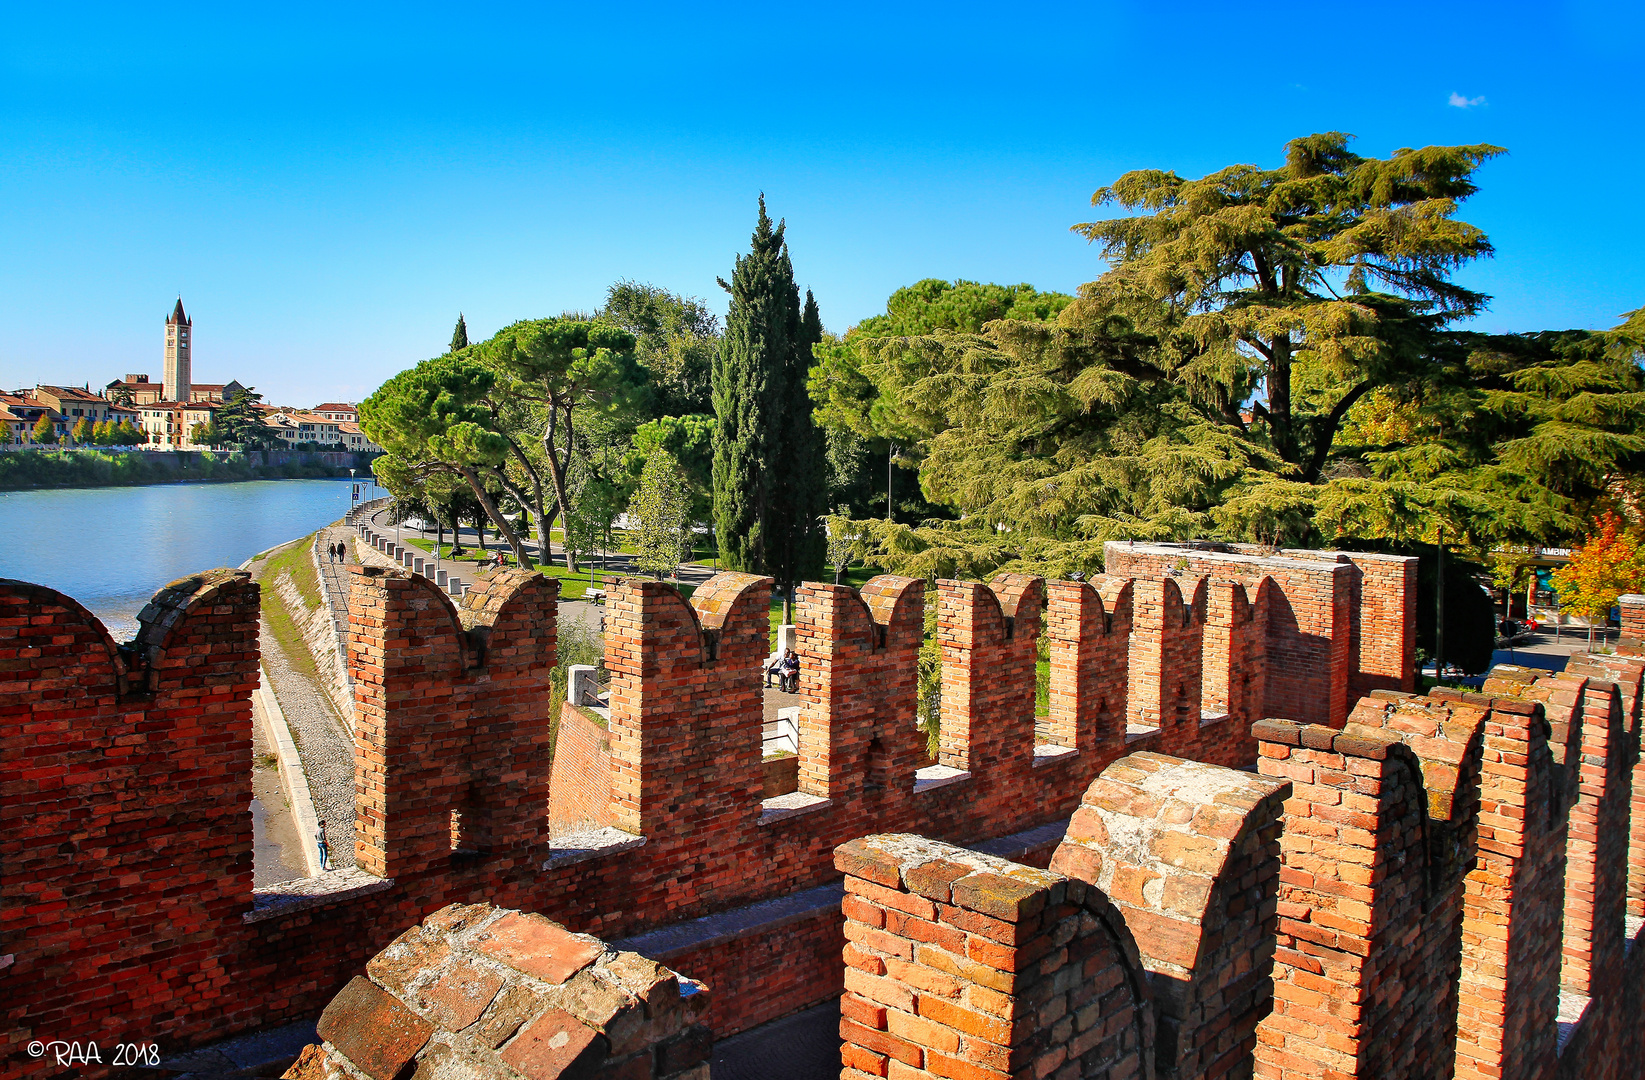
(859, 677)
(1631, 638)
(1383, 634)
(1089, 639)
(1188, 854)
(1627, 673)
(1332, 617)
(686, 708)
(966, 965)
(1509, 985)
(579, 783)
(1234, 670)
(458, 676)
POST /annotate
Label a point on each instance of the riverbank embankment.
(25, 470)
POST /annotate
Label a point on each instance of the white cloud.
(1466, 102)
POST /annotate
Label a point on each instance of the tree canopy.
(435, 419)
(566, 369)
(768, 470)
(239, 420)
(675, 337)
(1270, 356)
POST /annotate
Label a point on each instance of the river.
(113, 548)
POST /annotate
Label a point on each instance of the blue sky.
(328, 188)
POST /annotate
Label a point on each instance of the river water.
(113, 548)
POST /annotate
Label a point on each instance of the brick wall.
(1627, 673)
(1632, 609)
(858, 653)
(767, 972)
(455, 795)
(1188, 854)
(1383, 624)
(988, 636)
(579, 780)
(1088, 630)
(453, 720)
(1509, 986)
(1336, 625)
(964, 965)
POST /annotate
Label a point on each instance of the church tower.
(179, 368)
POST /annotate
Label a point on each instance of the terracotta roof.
(334, 406)
(5, 416)
(73, 392)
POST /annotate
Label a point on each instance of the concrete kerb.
(292, 778)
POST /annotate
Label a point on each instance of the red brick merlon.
(1370, 903)
(484, 992)
(124, 822)
(685, 703)
(987, 635)
(1187, 852)
(859, 677)
(1631, 606)
(1590, 742)
(452, 720)
(1088, 625)
(966, 965)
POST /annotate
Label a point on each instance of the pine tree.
(768, 459)
(459, 336)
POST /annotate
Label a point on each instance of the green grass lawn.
(294, 558)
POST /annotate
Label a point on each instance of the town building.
(337, 410)
(357, 440)
(297, 427)
(64, 406)
(138, 390)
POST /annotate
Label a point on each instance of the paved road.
(614, 563)
(276, 857)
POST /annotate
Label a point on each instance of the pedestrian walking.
(325, 848)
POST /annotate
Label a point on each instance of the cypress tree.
(459, 336)
(800, 494)
(768, 484)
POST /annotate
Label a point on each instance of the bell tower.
(179, 367)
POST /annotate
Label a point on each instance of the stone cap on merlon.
(951, 875)
(477, 990)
